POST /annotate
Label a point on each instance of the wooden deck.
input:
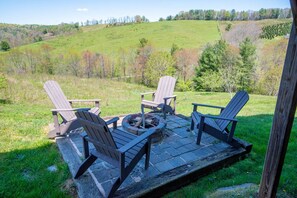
(175, 161)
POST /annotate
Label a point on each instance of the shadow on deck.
(175, 162)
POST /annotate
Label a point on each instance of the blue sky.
(57, 11)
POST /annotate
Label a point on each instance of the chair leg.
(148, 153)
(199, 136)
(85, 165)
(114, 188)
(164, 111)
(56, 123)
(192, 125)
(143, 118)
(85, 147)
(200, 129)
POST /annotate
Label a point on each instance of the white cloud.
(82, 9)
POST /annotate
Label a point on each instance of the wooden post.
(283, 118)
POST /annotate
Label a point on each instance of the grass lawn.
(186, 34)
(26, 153)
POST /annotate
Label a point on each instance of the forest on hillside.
(231, 15)
(248, 56)
(16, 35)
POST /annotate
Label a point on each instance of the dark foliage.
(226, 15)
(4, 45)
(272, 31)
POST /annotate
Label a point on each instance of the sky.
(51, 12)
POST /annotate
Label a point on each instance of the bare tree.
(15, 59)
(31, 58)
(140, 64)
(74, 60)
(186, 61)
(89, 62)
(102, 66)
(241, 31)
(123, 61)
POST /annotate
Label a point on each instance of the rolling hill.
(161, 35)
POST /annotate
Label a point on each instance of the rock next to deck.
(175, 161)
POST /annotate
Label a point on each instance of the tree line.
(231, 15)
(142, 65)
(220, 67)
(116, 21)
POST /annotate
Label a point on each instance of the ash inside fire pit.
(133, 124)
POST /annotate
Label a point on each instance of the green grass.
(25, 151)
(186, 34)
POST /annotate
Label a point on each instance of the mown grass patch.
(26, 153)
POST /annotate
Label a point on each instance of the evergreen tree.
(248, 55)
(173, 49)
(5, 45)
(143, 42)
(210, 61)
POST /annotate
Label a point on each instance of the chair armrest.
(151, 92)
(168, 97)
(96, 101)
(74, 109)
(205, 105)
(174, 102)
(218, 117)
(195, 105)
(140, 138)
(113, 121)
(85, 100)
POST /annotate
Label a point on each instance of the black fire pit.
(133, 124)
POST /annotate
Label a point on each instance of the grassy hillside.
(186, 34)
(26, 153)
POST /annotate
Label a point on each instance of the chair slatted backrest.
(97, 130)
(58, 98)
(233, 108)
(165, 88)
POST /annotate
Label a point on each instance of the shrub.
(143, 42)
(184, 85)
(3, 88)
(3, 81)
(5, 45)
(228, 27)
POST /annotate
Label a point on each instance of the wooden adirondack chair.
(217, 126)
(63, 107)
(119, 148)
(161, 98)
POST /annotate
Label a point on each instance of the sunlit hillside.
(161, 35)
